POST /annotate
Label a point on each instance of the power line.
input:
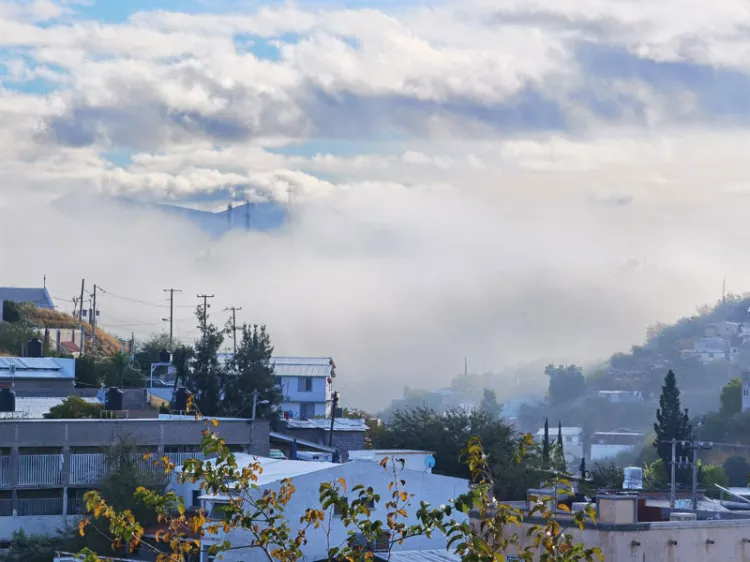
(138, 301)
(234, 310)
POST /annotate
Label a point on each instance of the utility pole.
(171, 315)
(234, 310)
(672, 483)
(80, 302)
(93, 314)
(695, 475)
(334, 405)
(205, 308)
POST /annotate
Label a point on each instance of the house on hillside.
(621, 396)
(306, 384)
(307, 478)
(713, 349)
(724, 329)
(39, 297)
(572, 442)
(609, 444)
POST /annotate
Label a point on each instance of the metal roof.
(340, 424)
(36, 296)
(274, 470)
(296, 366)
(422, 556)
(34, 408)
(36, 368)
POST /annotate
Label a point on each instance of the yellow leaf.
(215, 422)
(342, 483)
(81, 526)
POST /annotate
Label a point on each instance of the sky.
(508, 182)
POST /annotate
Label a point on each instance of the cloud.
(464, 178)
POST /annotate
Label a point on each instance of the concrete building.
(608, 444)
(306, 384)
(307, 478)
(572, 442)
(621, 396)
(348, 435)
(39, 297)
(47, 465)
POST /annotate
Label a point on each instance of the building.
(38, 376)
(621, 396)
(712, 349)
(724, 329)
(572, 442)
(39, 297)
(608, 444)
(348, 434)
(413, 460)
(47, 465)
(307, 478)
(746, 392)
(306, 384)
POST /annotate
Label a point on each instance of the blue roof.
(38, 297)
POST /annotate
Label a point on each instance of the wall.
(44, 387)
(319, 391)
(413, 460)
(345, 440)
(431, 488)
(601, 452)
(38, 525)
(617, 543)
(321, 409)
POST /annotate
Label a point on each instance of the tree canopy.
(671, 422)
(72, 408)
(731, 397)
(566, 382)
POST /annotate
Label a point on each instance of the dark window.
(196, 501)
(305, 384)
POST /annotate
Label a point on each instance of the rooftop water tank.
(113, 400)
(7, 400)
(34, 348)
(165, 356)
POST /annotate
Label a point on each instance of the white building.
(306, 384)
(413, 460)
(307, 478)
(621, 396)
(609, 444)
(572, 442)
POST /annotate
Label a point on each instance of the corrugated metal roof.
(34, 408)
(37, 368)
(422, 556)
(37, 296)
(340, 424)
(295, 366)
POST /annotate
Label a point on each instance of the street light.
(256, 402)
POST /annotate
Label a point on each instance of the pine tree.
(582, 468)
(545, 445)
(200, 370)
(671, 422)
(559, 453)
(250, 370)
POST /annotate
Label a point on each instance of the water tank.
(180, 400)
(7, 400)
(34, 348)
(113, 400)
(165, 356)
(633, 478)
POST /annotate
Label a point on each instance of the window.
(196, 501)
(307, 410)
(305, 384)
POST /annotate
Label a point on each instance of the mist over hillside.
(398, 289)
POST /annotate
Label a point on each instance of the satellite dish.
(429, 461)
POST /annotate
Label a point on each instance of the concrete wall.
(621, 544)
(431, 488)
(344, 440)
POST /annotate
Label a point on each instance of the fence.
(40, 506)
(40, 469)
(6, 464)
(87, 468)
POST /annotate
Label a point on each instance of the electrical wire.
(138, 301)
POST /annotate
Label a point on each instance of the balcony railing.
(40, 469)
(87, 468)
(6, 464)
(40, 506)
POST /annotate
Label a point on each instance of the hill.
(257, 216)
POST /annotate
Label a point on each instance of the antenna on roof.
(45, 280)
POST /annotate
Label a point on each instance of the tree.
(566, 383)
(11, 312)
(545, 444)
(731, 397)
(489, 403)
(559, 456)
(199, 368)
(607, 476)
(671, 423)
(250, 370)
(89, 373)
(737, 470)
(34, 548)
(119, 371)
(74, 408)
(155, 343)
(262, 516)
(14, 336)
(446, 434)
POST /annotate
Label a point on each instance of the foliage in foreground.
(492, 530)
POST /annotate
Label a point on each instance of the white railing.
(87, 468)
(178, 459)
(40, 506)
(40, 469)
(6, 464)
